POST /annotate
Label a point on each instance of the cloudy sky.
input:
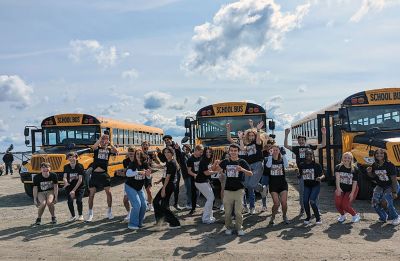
(156, 61)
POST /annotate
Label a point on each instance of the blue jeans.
(265, 182)
(252, 182)
(310, 197)
(138, 202)
(380, 195)
(188, 188)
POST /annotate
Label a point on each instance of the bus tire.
(365, 186)
(29, 190)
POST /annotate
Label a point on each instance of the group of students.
(253, 162)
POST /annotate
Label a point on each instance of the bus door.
(331, 154)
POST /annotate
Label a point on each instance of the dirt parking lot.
(111, 240)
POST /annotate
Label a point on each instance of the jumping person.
(203, 184)
(278, 186)
(100, 179)
(45, 192)
(299, 152)
(385, 175)
(161, 201)
(73, 185)
(130, 158)
(137, 173)
(235, 170)
(179, 158)
(346, 174)
(254, 157)
(193, 169)
(312, 175)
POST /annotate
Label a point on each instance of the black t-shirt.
(234, 178)
(300, 152)
(310, 173)
(136, 182)
(101, 157)
(194, 164)
(346, 177)
(170, 169)
(45, 184)
(73, 175)
(254, 153)
(126, 162)
(205, 164)
(276, 172)
(383, 174)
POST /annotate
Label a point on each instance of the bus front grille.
(396, 151)
(55, 162)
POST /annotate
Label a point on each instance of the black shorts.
(148, 183)
(278, 187)
(99, 180)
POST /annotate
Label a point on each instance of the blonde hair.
(263, 136)
(352, 164)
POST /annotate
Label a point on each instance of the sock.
(90, 211)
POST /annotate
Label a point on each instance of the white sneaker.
(396, 221)
(110, 215)
(318, 222)
(133, 227)
(307, 222)
(90, 218)
(252, 211)
(356, 218)
(222, 207)
(151, 208)
(240, 233)
(80, 218)
(210, 221)
(228, 232)
(126, 219)
(264, 209)
(341, 218)
(72, 219)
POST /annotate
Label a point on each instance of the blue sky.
(156, 61)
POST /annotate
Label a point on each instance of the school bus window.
(130, 137)
(115, 136)
(120, 137)
(126, 137)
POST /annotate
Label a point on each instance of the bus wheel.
(28, 190)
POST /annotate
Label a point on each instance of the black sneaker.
(53, 220)
(37, 222)
(191, 212)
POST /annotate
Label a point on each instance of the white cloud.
(372, 6)
(3, 126)
(14, 89)
(130, 74)
(17, 139)
(92, 49)
(176, 106)
(155, 100)
(238, 35)
(200, 100)
(302, 88)
(282, 120)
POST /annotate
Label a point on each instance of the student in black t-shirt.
(265, 178)
(130, 158)
(299, 152)
(235, 170)
(161, 201)
(202, 182)
(137, 172)
(187, 153)
(193, 169)
(73, 185)
(99, 179)
(312, 175)
(278, 186)
(45, 192)
(346, 174)
(384, 174)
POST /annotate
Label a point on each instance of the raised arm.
(323, 142)
(258, 137)
(269, 162)
(228, 133)
(286, 144)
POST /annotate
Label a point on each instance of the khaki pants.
(233, 199)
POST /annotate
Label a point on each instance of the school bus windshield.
(214, 128)
(385, 117)
(79, 135)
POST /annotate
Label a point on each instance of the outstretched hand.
(260, 125)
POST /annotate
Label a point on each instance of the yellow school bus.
(64, 133)
(360, 123)
(209, 125)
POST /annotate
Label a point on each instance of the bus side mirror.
(185, 139)
(342, 113)
(271, 125)
(26, 132)
(27, 142)
(187, 123)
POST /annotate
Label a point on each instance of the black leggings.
(161, 205)
(78, 196)
(176, 187)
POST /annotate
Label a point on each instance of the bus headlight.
(23, 170)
